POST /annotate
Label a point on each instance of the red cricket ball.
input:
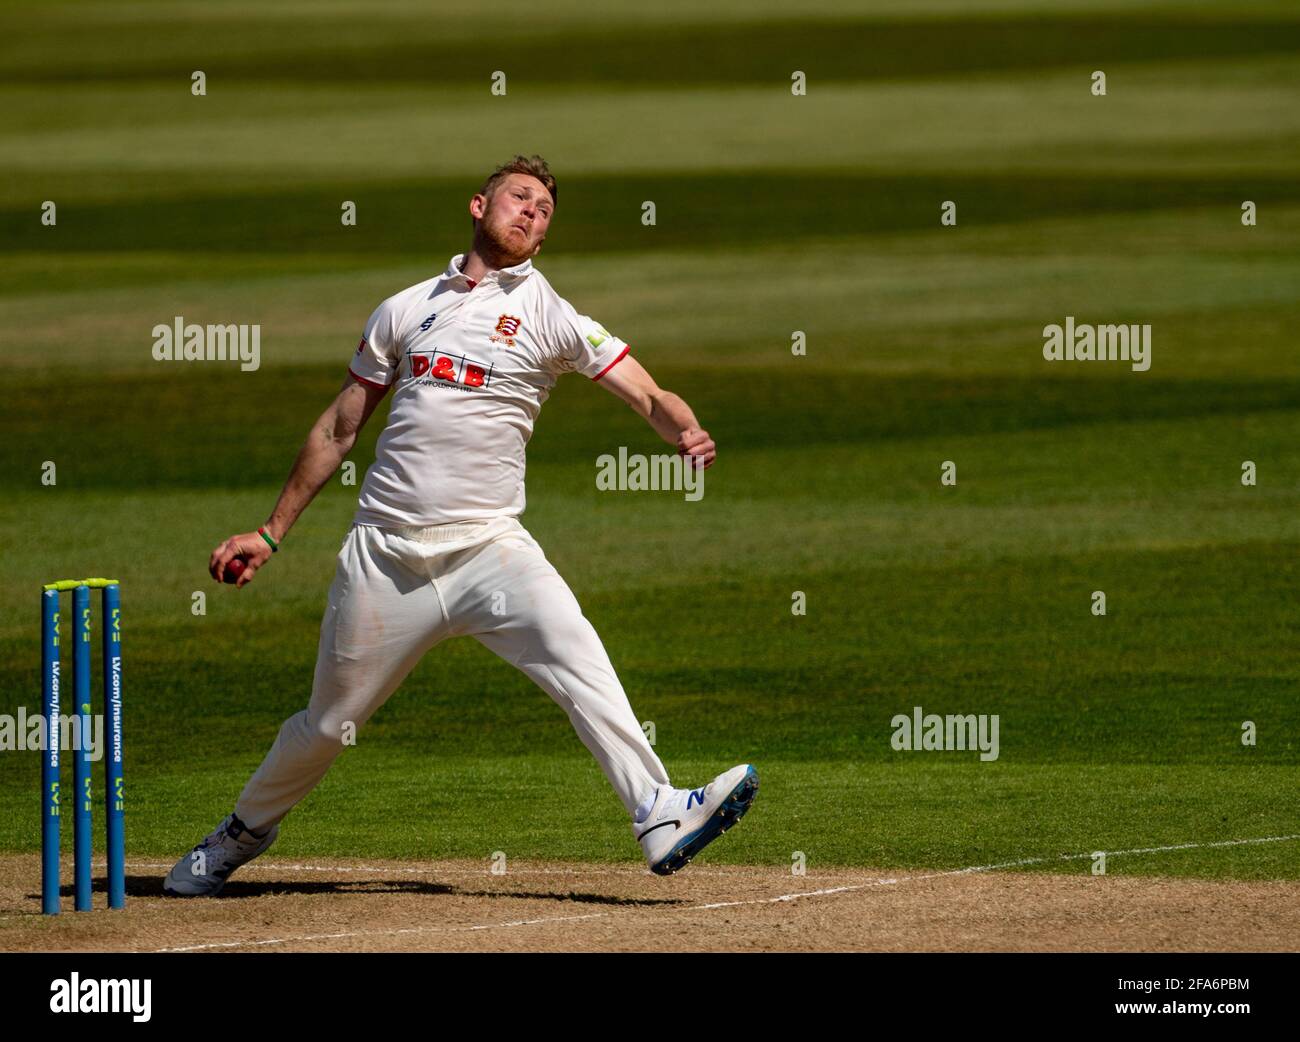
(234, 569)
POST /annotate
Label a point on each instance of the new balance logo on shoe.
(702, 816)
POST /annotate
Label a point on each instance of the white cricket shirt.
(470, 364)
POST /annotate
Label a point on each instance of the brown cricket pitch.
(279, 904)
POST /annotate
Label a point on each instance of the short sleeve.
(584, 345)
(376, 358)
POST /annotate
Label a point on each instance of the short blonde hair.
(533, 166)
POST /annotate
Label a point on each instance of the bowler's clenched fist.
(698, 447)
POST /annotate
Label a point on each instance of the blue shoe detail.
(732, 809)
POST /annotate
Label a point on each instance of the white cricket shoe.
(204, 870)
(683, 822)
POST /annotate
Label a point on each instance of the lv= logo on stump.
(79, 724)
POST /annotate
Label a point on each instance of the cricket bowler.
(436, 548)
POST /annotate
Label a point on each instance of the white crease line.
(993, 868)
(734, 904)
(383, 933)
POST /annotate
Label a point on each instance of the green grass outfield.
(775, 214)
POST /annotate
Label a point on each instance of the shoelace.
(217, 838)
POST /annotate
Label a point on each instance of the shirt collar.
(519, 271)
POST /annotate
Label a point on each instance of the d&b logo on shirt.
(452, 370)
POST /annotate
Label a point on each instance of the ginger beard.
(498, 240)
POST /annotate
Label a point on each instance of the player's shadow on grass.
(151, 886)
(571, 895)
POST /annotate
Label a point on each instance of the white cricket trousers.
(396, 593)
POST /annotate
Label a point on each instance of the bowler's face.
(516, 216)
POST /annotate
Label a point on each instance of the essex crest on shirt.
(508, 327)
